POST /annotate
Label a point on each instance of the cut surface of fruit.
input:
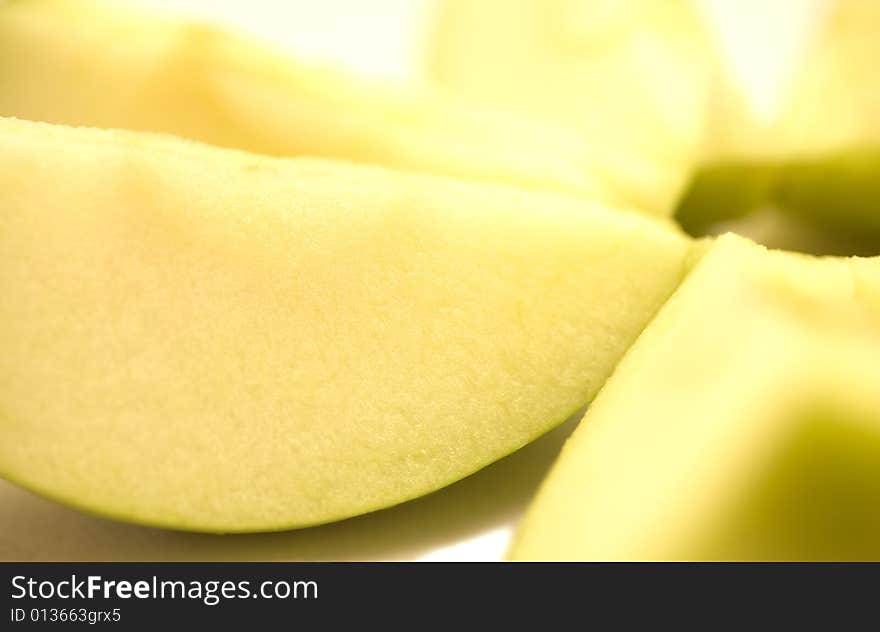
(213, 340)
(103, 64)
(839, 192)
(833, 101)
(629, 76)
(744, 424)
(867, 276)
(835, 197)
(723, 192)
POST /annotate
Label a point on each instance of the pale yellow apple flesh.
(212, 340)
(867, 285)
(632, 77)
(103, 64)
(744, 424)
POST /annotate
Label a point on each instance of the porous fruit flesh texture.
(821, 152)
(212, 340)
(631, 77)
(744, 424)
(104, 64)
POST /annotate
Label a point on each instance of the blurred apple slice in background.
(744, 424)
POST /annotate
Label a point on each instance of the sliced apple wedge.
(212, 340)
(103, 64)
(834, 101)
(744, 424)
(632, 77)
(867, 276)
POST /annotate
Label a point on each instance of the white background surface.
(473, 519)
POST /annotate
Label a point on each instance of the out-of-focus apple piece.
(867, 276)
(822, 148)
(105, 64)
(724, 192)
(631, 77)
(779, 229)
(744, 424)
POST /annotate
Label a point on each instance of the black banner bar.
(147, 595)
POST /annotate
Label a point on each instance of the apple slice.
(822, 150)
(212, 340)
(102, 64)
(632, 77)
(744, 424)
(867, 278)
(834, 103)
(775, 228)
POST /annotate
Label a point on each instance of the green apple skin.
(754, 433)
(102, 63)
(212, 340)
(630, 77)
